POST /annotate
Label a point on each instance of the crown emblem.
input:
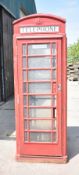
(38, 21)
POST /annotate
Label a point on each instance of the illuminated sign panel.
(37, 29)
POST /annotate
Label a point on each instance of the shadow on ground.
(7, 120)
(73, 141)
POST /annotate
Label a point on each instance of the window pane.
(25, 112)
(24, 100)
(39, 100)
(24, 49)
(24, 87)
(24, 76)
(54, 61)
(40, 137)
(25, 136)
(40, 124)
(54, 75)
(25, 124)
(39, 75)
(39, 113)
(39, 49)
(54, 100)
(40, 88)
(24, 63)
(54, 48)
(54, 137)
(54, 124)
(39, 62)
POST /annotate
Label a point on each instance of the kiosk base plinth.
(42, 159)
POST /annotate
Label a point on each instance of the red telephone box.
(40, 88)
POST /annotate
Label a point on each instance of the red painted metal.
(56, 146)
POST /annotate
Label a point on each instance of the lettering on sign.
(37, 29)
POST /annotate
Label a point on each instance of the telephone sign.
(39, 29)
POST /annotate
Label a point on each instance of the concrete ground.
(8, 164)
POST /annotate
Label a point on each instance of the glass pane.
(54, 112)
(24, 49)
(54, 139)
(39, 49)
(54, 48)
(39, 62)
(40, 124)
(54, 75)
(24, 87)
(25, 124)
(54, 124)
(24, 100)
(25, 136)
(25, 112)
(54, 61)
(40, 88)
(24, 76)
(39, 113)
(40, 137)
(39, 75)
(39, 100)
(54, 100)
(24, 63)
